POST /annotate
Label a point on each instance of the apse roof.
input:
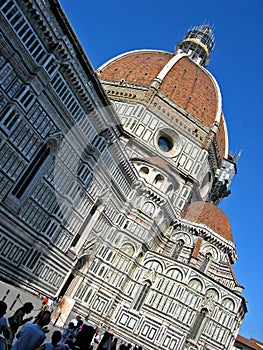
(208, 214)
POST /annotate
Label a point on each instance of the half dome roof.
(208, 214)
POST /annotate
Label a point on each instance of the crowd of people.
(18, 333)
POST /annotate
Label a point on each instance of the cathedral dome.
(178, 78)
(210, 215)
(189, 85)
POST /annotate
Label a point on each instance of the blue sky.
(108, 28)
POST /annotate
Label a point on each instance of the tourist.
(105, 341)
(75, 320)
(55, 338)
(84, 337)
(68, 334)
(18, 320)
(113, 345)
(4, 332)
(77, 329)
(123, 346)
(31, 335)
(50, 304)
(44, 304)
(96, 338)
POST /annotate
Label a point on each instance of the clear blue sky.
(108, 28)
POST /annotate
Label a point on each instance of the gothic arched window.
(102, 271)
(142, 296)
(198, 324)
(9, 119)
(109, 256)
(88, 295)
(99, 142)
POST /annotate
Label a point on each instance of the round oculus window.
(168, 142)
(165, 144)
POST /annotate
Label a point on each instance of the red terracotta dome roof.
(186, 83)
(210, 215)
(136, 67)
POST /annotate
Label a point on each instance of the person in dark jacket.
(105, 342)
(4, 332)
(113, 345)
(84, 337)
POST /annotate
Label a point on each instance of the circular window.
(168, 142)
(165, 144)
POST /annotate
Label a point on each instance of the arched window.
(128, 249)
(9, 119)
(198, 324)
(87, 296)
(144, 171)
(101, 271)
(158, 181)
(141, 297)
(212, 294)
(109, 256)
(148, 208)
(228, 304)
(84, 173)
(99, 142)
(175, 274)
(154, 265)
(196, 285)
